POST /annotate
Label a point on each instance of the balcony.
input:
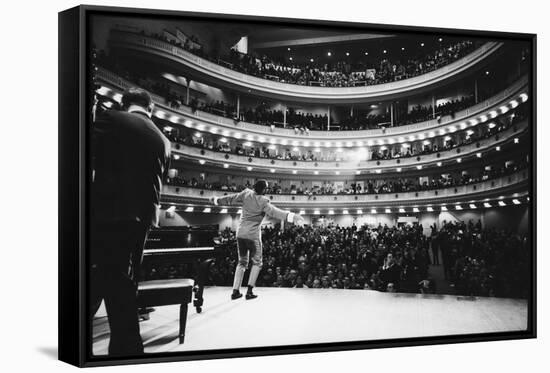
(514, 185)
(220, 159)
(203, 70)
(202, 121)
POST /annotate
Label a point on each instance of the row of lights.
(387, 210)
(384, 51)
(357, 143)
(357, 172)
(159, 113)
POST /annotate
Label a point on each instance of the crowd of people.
(484, 262)
(339, 74)
(476, 261)
(396, 151)
(372, 186)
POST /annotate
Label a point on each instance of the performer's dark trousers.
(116, 253)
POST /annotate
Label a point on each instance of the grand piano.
(193, 247)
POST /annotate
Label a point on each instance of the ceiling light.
(207, 210)
(189, 209)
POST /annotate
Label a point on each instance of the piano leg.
(202, 273)
(183, 322)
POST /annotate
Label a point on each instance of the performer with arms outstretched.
(249, 237)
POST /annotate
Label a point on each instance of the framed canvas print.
(238, 186)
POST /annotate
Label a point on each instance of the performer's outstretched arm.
(280, 214)
(230, 200)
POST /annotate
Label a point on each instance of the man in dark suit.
(130, 159)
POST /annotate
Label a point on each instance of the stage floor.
(282, 316)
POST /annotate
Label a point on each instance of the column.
(328, 118)
(187, 93)
(433, 106)
(238, 107)
(284, 117)
(391, 114)
(475, 91)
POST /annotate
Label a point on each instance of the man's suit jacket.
(254, 208)
(130, 158)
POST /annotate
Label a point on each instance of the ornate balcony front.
(209, 72)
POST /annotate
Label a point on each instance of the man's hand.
(298, 220)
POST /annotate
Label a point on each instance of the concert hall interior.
(402, 163)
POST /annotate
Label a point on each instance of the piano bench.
(167, 292)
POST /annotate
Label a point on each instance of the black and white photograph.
(257, 184)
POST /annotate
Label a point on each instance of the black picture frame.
(74, 178)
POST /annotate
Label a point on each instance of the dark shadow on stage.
(50, 352)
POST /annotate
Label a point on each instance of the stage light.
(366, 53)
(331, 212)
(421, 44)
(501, 203)
(329, 54)
(493, 114)
(358, 172)
(504, 109)
(176, 157)
(492, 125)
(419, 167)
(249, 168)
(458, 160)
(171, 209)
(290, 58)
(487, 204)
(360, 211)
(402, 48)
(458, 207)
(415, 209)
(483, 118)
(288, 49)
(378, 171)
(207, 210)
(202, 161)
(524, 97)
(478, 155)
(472, 206)
(497, 148)
(388, 211)
(294, 172)
(516, 140)
(272, 170)
(347, 54)
(440, 40)
(225, 165)
(444, 208)
(401, 210)
(398, 169)
(385, 51)
(429, 209)
(337, 172)
(373, 211)
(316, 172)
(516, 201)
(345, 212)
(311, 60)
(486, 72)
(223, 211)
(513, 104)
(189, 209)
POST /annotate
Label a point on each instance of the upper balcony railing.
(203, 69)
(494, 188)
(203, 121)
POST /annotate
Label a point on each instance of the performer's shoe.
(250, 296)
(236, 295)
